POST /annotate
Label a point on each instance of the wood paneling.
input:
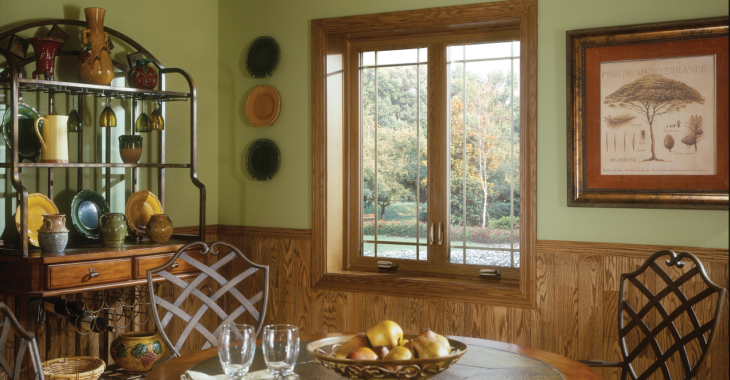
(576, 286)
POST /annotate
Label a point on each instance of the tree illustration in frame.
(651, 96)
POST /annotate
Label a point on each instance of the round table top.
(485, 359)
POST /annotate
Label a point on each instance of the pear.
(358, 341)
(408, 344)
(428, 344)
(398, 353)
(381, 351)
(363, 353)
(385, 333)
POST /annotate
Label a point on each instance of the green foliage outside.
(407, 229)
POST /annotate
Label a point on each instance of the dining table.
(484, 359)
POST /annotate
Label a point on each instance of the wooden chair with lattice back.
(9, 325)
(657, 318)
(223, 291)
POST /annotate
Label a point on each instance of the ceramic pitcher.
(53, 234)
(54, 140)
(113, 230)
(95, 63)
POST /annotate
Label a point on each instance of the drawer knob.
(174, 265)
(93, 273)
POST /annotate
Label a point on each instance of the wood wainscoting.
(576, 285)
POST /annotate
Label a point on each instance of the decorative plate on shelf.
(86, 208)
(140, 207)
(262, 57)
(263, 160)
(29, 147)
(38, 205)
(263, 106)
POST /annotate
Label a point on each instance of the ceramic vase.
(130, 148)
(95, 63)
(159, 228)
(137, 351)
(142, 76)
(45, 52)
(113, 230)
(53, 235)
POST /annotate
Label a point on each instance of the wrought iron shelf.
(27, 84)
(94, 165)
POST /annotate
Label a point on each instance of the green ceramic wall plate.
(86, 208)
(263, 160)
(262, 57)
(29, 147)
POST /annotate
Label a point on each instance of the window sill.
(485, 291)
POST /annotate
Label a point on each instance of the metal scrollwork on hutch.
(10, 79)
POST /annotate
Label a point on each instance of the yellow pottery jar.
(137, 351)
(159, 228)
(95, 62)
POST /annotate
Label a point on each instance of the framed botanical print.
(648, 115)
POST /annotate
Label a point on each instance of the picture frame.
(647, 115)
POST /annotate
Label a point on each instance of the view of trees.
(484, 173)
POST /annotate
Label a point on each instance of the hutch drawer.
(143, 263)
(87, 273)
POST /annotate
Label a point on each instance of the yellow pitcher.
(54, 140)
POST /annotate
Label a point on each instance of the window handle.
(441, 233)
(430, 234)
(490, 273)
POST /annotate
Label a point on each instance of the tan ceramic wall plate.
(263, 106)
(38, 205)
(140, 207)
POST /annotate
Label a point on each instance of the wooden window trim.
(331, 166)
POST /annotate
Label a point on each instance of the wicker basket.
(77, 368)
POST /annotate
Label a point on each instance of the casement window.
(424, 152)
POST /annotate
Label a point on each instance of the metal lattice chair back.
(663, 307)
(9, 324)
(213, 299)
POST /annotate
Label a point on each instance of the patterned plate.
(38, 205)
(86, 208)
(140, 207)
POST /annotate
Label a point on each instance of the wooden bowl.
(323, 351)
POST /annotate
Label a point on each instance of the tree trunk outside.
(382, 212)
(484, 211)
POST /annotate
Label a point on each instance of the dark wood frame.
(669, 194)
(333, 165)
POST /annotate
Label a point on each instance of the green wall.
(285, 201)
(180, 33)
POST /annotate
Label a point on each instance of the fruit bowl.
(323, 351)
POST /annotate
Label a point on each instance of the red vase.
(45, 52)
(142, 76)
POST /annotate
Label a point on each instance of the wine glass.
(75, 123)
(141, 123)
(281, 348)
(108, 118)
(156, 122)
(236, 348)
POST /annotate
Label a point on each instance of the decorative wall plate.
(38, 205)
(263, 106)
(86, 208)
(29, 147)
(140, 207)
(263, 160)
(262, 57)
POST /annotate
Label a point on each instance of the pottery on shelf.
(113, 230)
(53, 234)
(45, 52)
(159, 228)
(95, 63)
(137, 351)
(142, 76)
(54, 138)
(130, 148)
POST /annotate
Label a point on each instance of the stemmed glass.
(281, 348)
(108, 118)
(75, 123)
(236, 349)
(156, 122)
(141, 123)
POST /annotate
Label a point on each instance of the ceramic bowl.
(137, 351)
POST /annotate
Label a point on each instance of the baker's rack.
(10, 80)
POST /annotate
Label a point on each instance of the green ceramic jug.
(113, 230)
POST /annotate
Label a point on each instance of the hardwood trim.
(408, 26)
(214, 231)
(634, 251)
